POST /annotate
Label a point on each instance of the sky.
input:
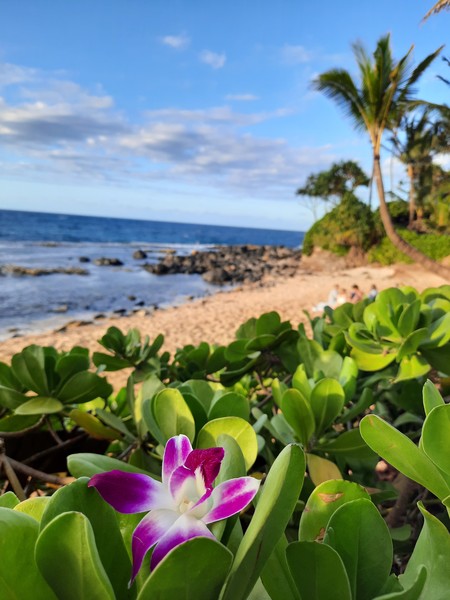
(188, 111)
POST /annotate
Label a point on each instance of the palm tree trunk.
(399, 242)
(412, 195)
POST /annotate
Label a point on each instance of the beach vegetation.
(287, 464)
(376, 103)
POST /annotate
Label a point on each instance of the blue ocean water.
(43, 240)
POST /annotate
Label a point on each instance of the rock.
(140, 303)
(100, 316)
(120, 311)
(19, 271)
(84, 259)
(108, 262)
(139, 255)
(131, 297)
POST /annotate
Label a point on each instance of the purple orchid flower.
(182, 505)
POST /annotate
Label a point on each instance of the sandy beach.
(215, 319)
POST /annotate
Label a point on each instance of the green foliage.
(349, 225)
(434, 245)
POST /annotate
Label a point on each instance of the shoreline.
(215, 318)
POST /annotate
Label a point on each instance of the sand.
(215, 319)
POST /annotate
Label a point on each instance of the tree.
(416, 144)
(441, 5)
(332, 185)
(384, 95)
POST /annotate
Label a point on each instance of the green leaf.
(10, 398)
(436, 436)
(431, 397)
(360, 536)
(111, 363)
(19, 576)
(17, 423)
(438, 333)
(276, 577)
(8, 500)
(268, 323)
(82, 387)
(432, 550)
(321, 469)
(348, 443)
(69, 364)
(202, 391)
(330, 363)
(412, 342)
(195, 570)
(318, 571)
(87, 464)
(92, 425)
(116, 423)
(412, 367)
(300, 382)
(402, 454)
(298, 414)
(278, 498)
(410, 593)
(259, 343)
(108, 540)
(327, 401)
(172, 414)
(364, 401)
(409, 318)
(29, 368)
(236, 428)
(373, 361)
(68, 558)
(230, 405)
(323, 503)
(40, 406)
(34, 507)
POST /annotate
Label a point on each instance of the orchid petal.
(149, 531)
(183, 485)
(208, 460)
(176, 452)
(230, 497)
(184, 529)
(131, 492)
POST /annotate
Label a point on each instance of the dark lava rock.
(139, 255)
(37, 272)
(84, 259)
(131, 297)
(231, 264)
(108, 262)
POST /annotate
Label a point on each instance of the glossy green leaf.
(348, 443)
(268, 323)
(20, 578)
(300, 382)
(329, 363)
(318, 571)
(297, 412)
(403, 454)
(173, 415)
(327, 401)
(82, 387)
(411, 593)
(195, 570)
(409, 318)
(432, 550)
(34, 507)
(92, 425)
(17, 422)
(29, 368)
(373, 361)
(8, 500)
(108, 540)
(321, 469)
(412, 342)
(431, 397)
(40, 406)
(237, 428)
(87, 464)
(230, 405)
(10, 398)
(68, 559)
(438, 333)
(276, 576)
(275, 505)
(69, 364)
(436, 437)
(113, 422)
(361, 537)
(412, 367)
(201, 390)
(322, 503)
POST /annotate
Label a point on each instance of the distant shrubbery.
(432, 244)
(350, 224)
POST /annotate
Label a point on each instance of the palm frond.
(441, 5)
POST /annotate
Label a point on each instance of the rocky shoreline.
(225, 265)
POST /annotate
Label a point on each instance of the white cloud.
(241, 97)
(13, 74)
(295, 55)
(178, 42)
(213, 59)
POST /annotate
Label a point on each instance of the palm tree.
(441, 5)
(384, 96)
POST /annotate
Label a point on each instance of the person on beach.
(356, 294)
(332, 301)
(342, 297)
(373, 293)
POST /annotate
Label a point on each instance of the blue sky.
(191, 111)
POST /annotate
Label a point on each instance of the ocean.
(49, 241)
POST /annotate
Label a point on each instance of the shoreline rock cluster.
(20, 271)
(231, 264)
